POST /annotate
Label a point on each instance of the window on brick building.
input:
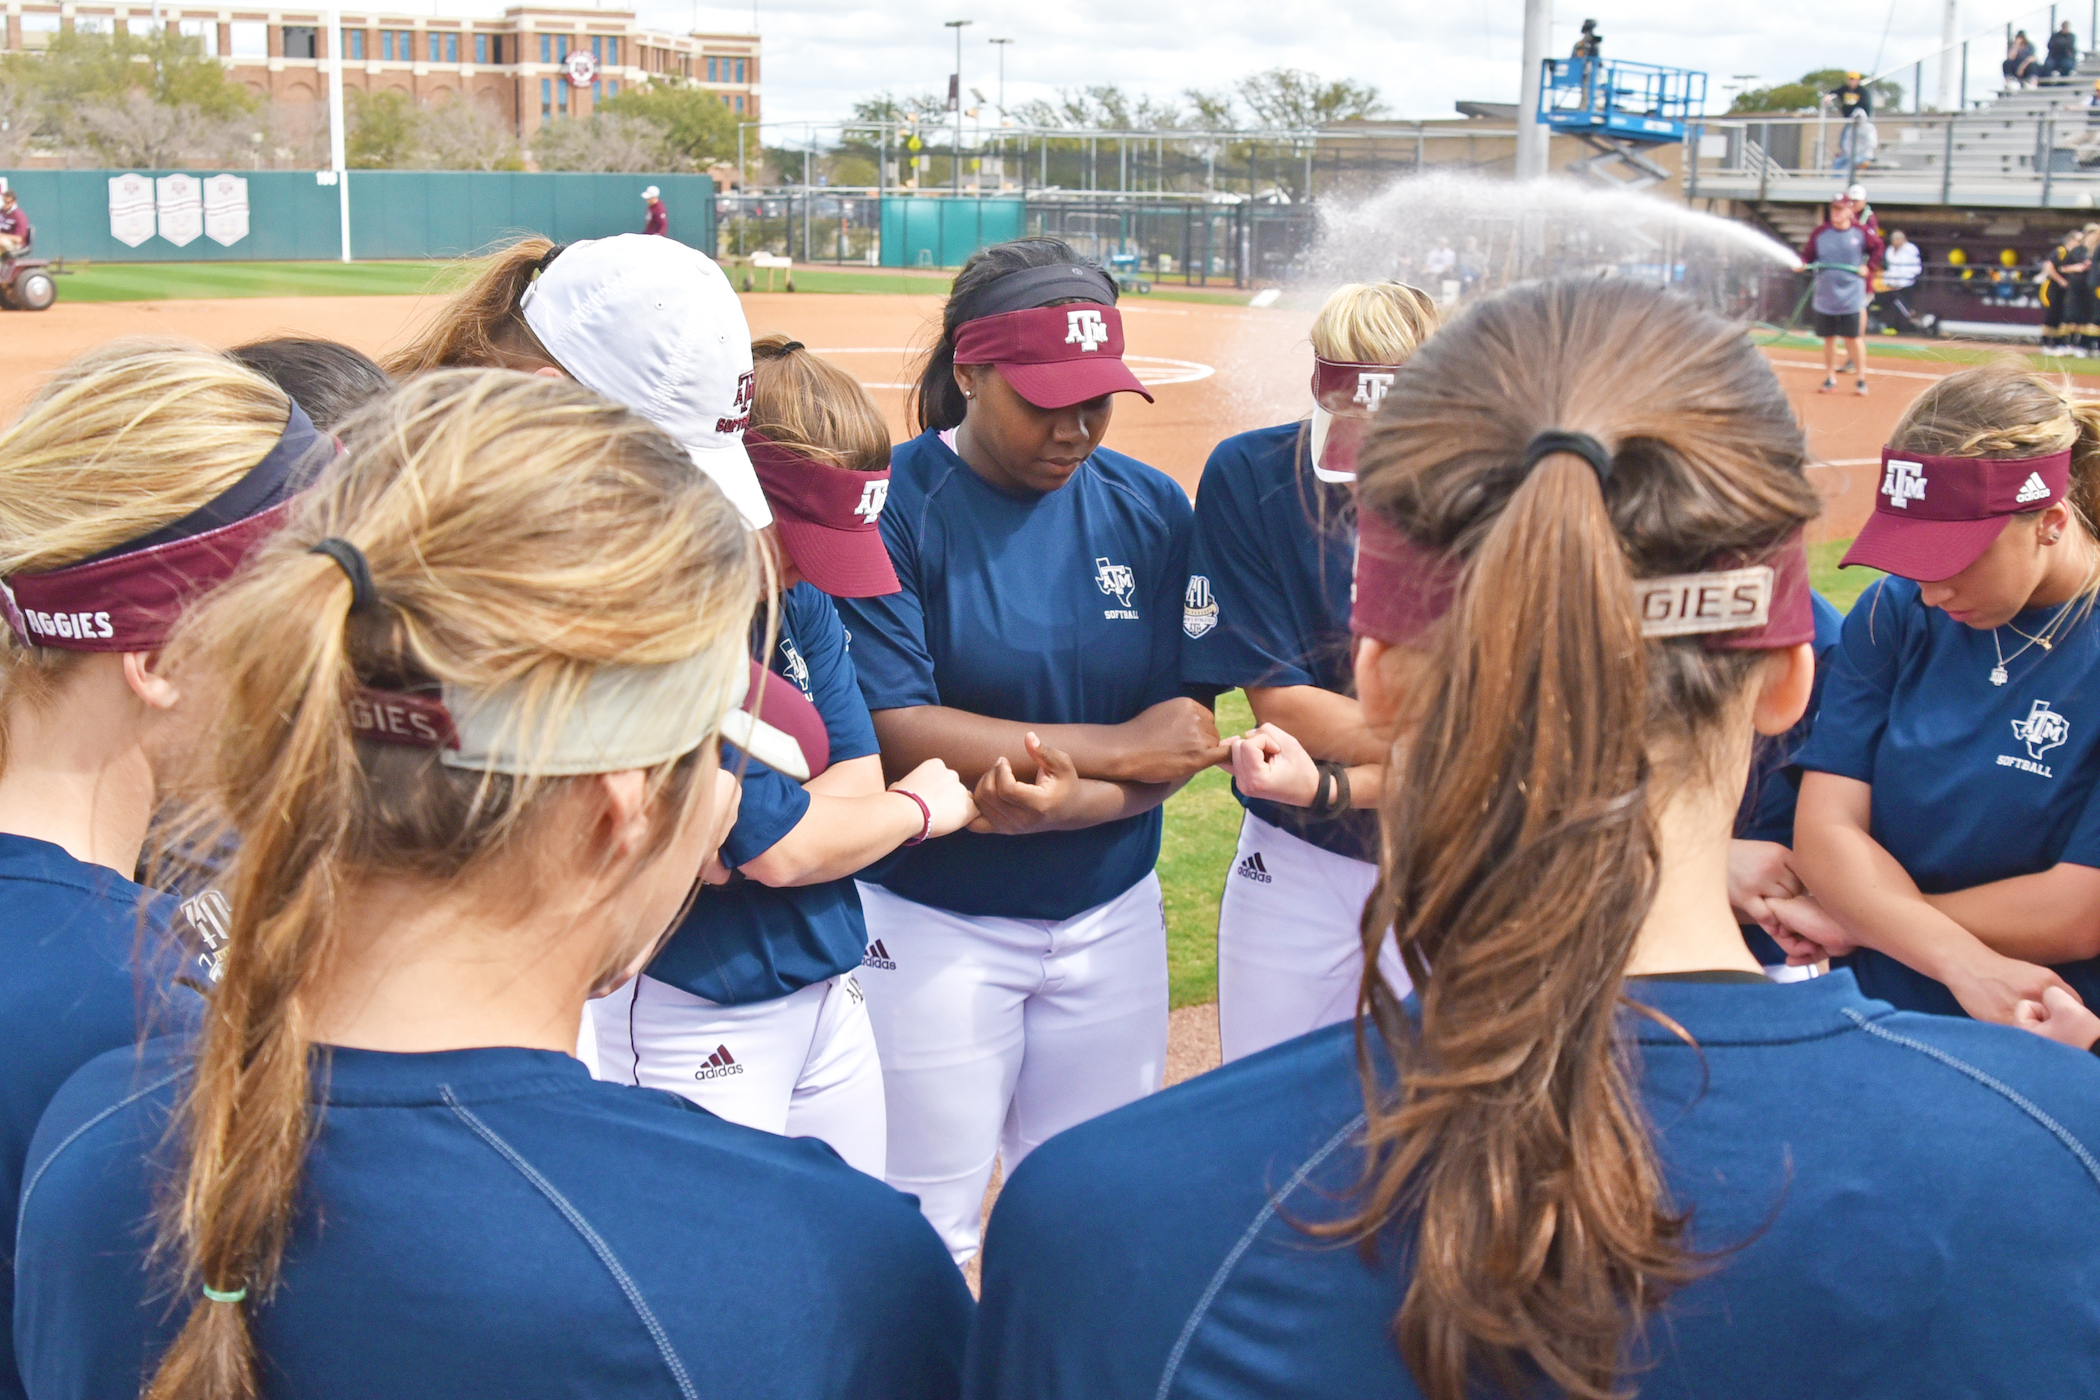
(451, 48)
(250, 38)
(356, 40)
(612, 87)
(546, 98)
(546, 48)
(598, 47)
(740, 102)
(612, 50)
(204, 31)
(434, 41)
(740, 70)
(711, 62)
(481, 48)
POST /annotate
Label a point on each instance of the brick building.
(533, 64)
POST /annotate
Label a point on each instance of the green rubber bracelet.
(214, 1295)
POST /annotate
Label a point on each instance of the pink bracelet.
(925, 815)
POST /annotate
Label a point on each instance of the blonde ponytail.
(520, 531)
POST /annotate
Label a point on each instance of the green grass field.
(186, 281)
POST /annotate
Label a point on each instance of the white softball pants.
(802, 1065)
(997, 1034)
(1290, 958)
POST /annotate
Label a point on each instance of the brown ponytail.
(482, 325)
(1519, 847)
(519, 531)
(802, 400)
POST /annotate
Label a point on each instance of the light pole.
(955, 104)
(1532, 135)
(1002, 43)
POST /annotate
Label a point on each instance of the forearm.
(971, 743)
(1101, 802)
(2048, 917)
(836, 837)
(1869, 893)
(1330, 726)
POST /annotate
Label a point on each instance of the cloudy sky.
(821, 54)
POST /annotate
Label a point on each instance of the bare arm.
(1872, 896)
(1330, 726)
(2049, 917)
(1056, 798)
(840, 834)
(1167, 743)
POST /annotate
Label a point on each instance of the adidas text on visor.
(1935, 516)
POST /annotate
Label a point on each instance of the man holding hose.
(1843, 254)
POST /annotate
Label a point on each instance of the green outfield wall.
(944, 231)
(143, 216)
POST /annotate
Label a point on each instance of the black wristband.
(1332, 795)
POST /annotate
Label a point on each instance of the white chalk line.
(1873, 372)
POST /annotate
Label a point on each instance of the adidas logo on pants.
(1252, 869)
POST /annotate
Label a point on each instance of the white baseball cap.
(651, 192)
(1856, 193)
(654, 325)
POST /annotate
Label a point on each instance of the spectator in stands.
(659, 220)
(1900, 270)
(1472, 267)
(2019, 68)
(1851, 96)
(1440, 265)
(2063, 53)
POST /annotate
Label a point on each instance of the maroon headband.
(1402, 587)
(1350, 390)
(1054, 356)
(827, 518)
(1935, 516)
(129, 598)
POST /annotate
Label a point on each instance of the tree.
(382, 130)
(1295, 100)
(18, 121)
(464, 135)
(1807, 94)
(136, 131)
(605, 141)
(697, 128)
(1211, 110)
(170, 69)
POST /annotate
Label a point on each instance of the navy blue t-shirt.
(1267, 604)
(79, 980)
(1908, 1205)
(746, 942)
(1767, 813)
(1972, 782)
(1056, 609)
(495, 1223)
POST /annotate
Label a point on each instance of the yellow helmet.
(2008, 258)
(1956, 256)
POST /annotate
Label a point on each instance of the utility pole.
(1950, 38)
(955, 105)
(1002, 43)
(1531, 135)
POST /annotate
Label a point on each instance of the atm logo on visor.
(1085, 328)
(1903, 483)
(1371, 387)
(874, 495)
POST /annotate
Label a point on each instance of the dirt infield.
(1215, 370)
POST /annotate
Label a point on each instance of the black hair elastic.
(792, 346)
(351, 560)
(1580, 444)
(542, 262)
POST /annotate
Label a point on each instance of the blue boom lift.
(1619, 109)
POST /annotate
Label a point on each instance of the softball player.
(1267, 608)
(1580, 514)
(1948, 818)
(752, 1010)
(471, 760)
(141, 473)
(1016, 973)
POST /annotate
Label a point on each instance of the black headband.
(351, 560)
(1582, 445)
(288, 468)
(1039, 286)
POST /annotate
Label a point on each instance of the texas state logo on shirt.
(1120, 583)
(2042, 730)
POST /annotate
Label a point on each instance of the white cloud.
(822, 54)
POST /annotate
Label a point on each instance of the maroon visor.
(1346, 395)
(1733, 605)
(1935, 516)
(827, 518)
(1054, 356)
